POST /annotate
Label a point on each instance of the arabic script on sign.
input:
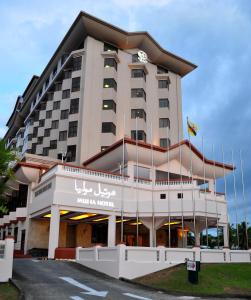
(101, 192)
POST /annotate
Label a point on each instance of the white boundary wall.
(132, 262)
(6, 259)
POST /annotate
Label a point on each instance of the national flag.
(192, 128)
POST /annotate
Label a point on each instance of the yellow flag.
(191, 128)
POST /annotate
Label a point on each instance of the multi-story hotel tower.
(99, 76)
(109, 104)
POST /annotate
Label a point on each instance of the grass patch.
(8, 292)
(214, 279)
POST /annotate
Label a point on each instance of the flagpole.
(225, 188)
(243, 195)
(215, 197)
(137, 184)
(181, 199)
(205, 196)
(235, 204)
(168, 191)
(153, 184)
(191, 174)
(123, 181)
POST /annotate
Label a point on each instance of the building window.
(46, 151)
(140, 113)
(29, 137)
(58, 86)
(66, 94)
(33, 148)
(164, 142)
(56, 105)
(47, 82)
(54, 72)
(36, 115)
(43, 105)
(67, 74)
(135, 58)
(163, 84)
(109, 47)
(50, 96)
(53, 144)
(164, 122)
(73, 129)
(138, 93)
(163, 103)
(162, 196)
(71, 153)
(138, 73)
(64, 114)
(75, 84)
(40, 140)
(141, 135)
(110, 62)
(47, 132)
(161, 70)
(108, 127)
(54, 124)
(110, 83)
(49, 114)
(109, 105)
(35, 131)
(41, 123)
(74, 106)
(62, 135)
(76, 63)
(180, 195)
(104, 147)
(31, 121)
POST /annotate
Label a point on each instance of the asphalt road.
(68, 280)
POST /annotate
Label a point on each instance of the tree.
(6, 157)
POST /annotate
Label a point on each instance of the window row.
(70, 154)
(72, 131)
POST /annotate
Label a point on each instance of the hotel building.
(103, 160)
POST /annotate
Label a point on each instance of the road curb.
(21, 295)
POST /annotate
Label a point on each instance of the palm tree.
(6, 157)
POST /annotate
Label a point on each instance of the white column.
(225, 236)
(111, 231)
(19, 235)
(54, 231)
(12, 229)
(6, 231)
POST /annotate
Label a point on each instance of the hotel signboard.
(101, 196)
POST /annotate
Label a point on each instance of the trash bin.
(193, 268)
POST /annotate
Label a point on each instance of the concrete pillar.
(12, 229)
(225, 236)
(1, 233)
(19, 235)
(111, 231)
(54, 231)
(6, 231)
(197, 239)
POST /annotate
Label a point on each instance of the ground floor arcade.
(60, 228)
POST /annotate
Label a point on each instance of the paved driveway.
(68, 280)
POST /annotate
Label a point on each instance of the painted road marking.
(82, 286)
(76, 298)
(135, 296)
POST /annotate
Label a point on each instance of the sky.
(215, 35)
